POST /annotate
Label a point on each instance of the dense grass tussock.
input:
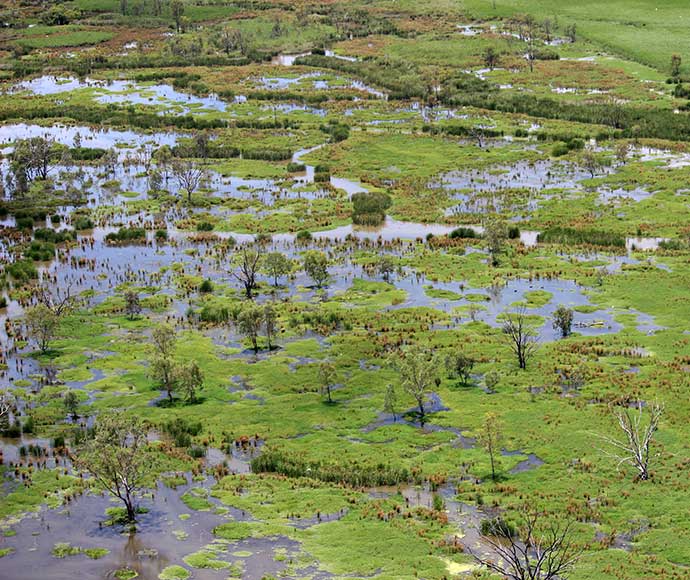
(350, 473)
(570, 236)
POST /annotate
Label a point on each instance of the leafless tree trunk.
(144, 157)
(530, 38)
(543, 552)
(247, 270)
(634, 447)
(477, 134)
(547, 27)
(521, 336)
(188, 175)
(60, 303)
(6, 408)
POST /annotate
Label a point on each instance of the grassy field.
(643, 32)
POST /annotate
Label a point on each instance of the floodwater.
(90, 137)
(170, 529)
(165, 534)
(125, 92)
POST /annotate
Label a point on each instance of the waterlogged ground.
(275, 482)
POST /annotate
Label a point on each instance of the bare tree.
(490, 57)
(530, 36)
(144, 157)
(634, 447)
(60, 303)
(247, 270)
(521, 336)
(33, 158)
(188, 175)
(477, 134)
(542, 552)
(6, 409)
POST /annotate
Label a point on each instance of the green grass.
(646, 33)
(69, 38)
(174, 573)
(330, 452)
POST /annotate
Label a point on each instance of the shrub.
(22, 271)
(181, 431)
(196, 451)
(462, 232)
(48, 235)
(295, 167)
(87, 153)
(369, 208)
(40, 251)
(338, 131)
(25, 223)
(559, 149)
(82, 223)
(13, 431)
(124, 235)
(206, 286)
(671, 245)
(28, 426)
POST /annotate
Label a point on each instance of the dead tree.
(188, 175)
(634, 447)
(60, 303)
(538, 553)
(6, 409)
(521, 336)
(247, 270)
